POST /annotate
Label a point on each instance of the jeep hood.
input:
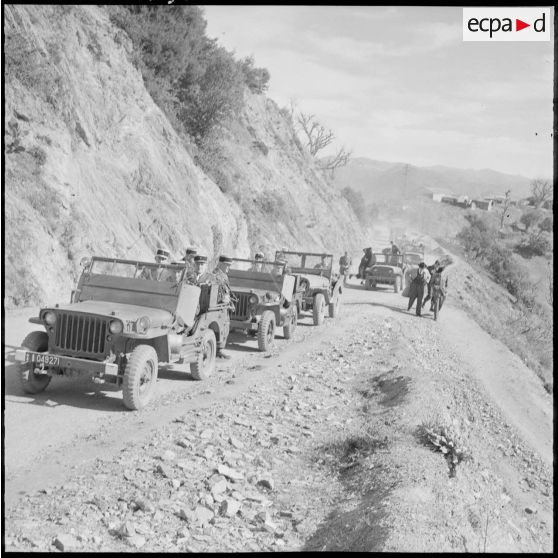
(124, 312)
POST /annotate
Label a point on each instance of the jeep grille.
(241, 307)
(80, 334)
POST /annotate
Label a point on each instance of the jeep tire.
(36, 341)
(318, 310)
(290, 326)
(140, 376)
(266, 331)
(334, 307)
(204, 366)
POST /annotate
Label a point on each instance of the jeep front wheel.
(36, 341)
(140, 376)
(290, 326)
(266, 331)
(205, 363)
(319, 309)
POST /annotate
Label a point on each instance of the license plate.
(47, 360)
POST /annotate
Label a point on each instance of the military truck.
(125, 318)
(265, 298)
(321, 287)
(388, 269)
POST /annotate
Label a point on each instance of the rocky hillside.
(93, 166)
(380, 180)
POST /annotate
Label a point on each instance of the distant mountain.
(382, 180)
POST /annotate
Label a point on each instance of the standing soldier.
(345, 262)
(439, 282)
(420, 278)
(223, 295)
(431, 269)
(367, 260)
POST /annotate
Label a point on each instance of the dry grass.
(447, 437)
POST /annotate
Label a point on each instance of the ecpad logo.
(506, 24)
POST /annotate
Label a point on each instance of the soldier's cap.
(200, 259)
(225, 259)
(259, 256)
(190, 251)
(163, 253)
(422, 265)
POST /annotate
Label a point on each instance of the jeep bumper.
(245, 324)
(44, 362)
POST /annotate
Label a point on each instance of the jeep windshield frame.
(245, 274)
(309, 263)
(136, 269)
(384, 258)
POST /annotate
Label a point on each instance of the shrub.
(530, 218)
(197, 83)
(446, 437)
(256, 79)
(38, 153)
(536, 244)
(547, 224)
(261, 146)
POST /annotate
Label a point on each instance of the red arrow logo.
(519, 25)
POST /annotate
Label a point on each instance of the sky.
(399, 84)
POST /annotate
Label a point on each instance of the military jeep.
(321, 287)
(264, 297)
(388, 269)
(125, 318)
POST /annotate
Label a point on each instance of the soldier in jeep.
(189, 258)
(162, 256)
(198, 274)
(258, 265)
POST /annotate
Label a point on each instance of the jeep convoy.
(128, 317)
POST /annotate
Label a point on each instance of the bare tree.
(317, 136)
(505, 208)
(541, 191)
(340, 159)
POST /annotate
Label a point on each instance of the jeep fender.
(160, 344)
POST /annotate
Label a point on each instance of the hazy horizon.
(399, 84)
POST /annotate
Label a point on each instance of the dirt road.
(375, 373)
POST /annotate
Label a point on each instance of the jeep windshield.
(258, 266)
(133, 269)
(306, 262)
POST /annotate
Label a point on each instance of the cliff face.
(92, 166)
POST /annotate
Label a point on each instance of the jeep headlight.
(253, 299)
(49, 318)
(115, 326)
(143, 324)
